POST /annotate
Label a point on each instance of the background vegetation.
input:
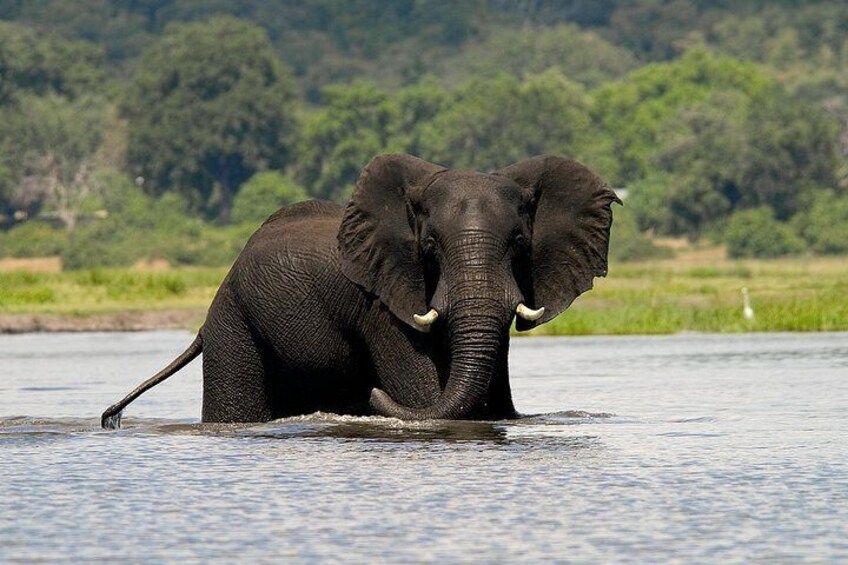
(168, 129)
(698, 292)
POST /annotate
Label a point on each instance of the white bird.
(747, 311)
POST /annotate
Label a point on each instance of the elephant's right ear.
(571, 229)
(377, 240)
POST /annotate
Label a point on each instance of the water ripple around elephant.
(321, 425)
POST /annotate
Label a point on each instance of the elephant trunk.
(479, 313)
(475, 343)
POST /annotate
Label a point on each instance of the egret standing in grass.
(747, 311)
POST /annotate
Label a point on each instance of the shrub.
(825, 224)
(263, 194)
(142, 227)
(628, 242)
(33, 239)
(756, 233)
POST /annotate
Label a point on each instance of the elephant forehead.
(468, 192)
(478, 212)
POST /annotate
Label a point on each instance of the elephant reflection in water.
(399, 304)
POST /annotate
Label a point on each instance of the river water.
(689, 448)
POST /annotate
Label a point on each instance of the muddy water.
(691, 448)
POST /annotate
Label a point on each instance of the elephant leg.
(409, 375)
(234, 377)
(413, 378)
(403, 362)
(500, 394)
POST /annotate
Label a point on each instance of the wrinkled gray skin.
(317, 311)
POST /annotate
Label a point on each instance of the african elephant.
(400, 303)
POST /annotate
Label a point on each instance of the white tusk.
(528, 313)
(426, 319)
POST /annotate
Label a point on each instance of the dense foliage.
(756, 233)
(210, 104)
(127, 128)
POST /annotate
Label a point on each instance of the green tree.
(263, 194)
(756, 233)
(491, 123)
(341, 138)
(676, 205)
(31, 63)
(637, 111)
(49, 144)
(784, 35)
(582, 56)
(209, 105)
(745, 152)
(358, 121)
(629, 243)
(655, 28)
(707, 135)
(33, 239)
(411, 107)
(7, 184)
(793, 148)
(825, 224)
(140, 226)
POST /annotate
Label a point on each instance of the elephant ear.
(571, 228)
(377, 239)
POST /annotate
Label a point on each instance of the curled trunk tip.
(385, 405)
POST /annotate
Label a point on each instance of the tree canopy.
(714, 116)
(31, 64)
(704, 135)
(210, 104)
(49, 144)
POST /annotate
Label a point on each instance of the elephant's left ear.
(571, 229)
(377, 240)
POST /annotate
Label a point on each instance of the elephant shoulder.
(307, 210)
(291, 261)
(305, 224)
(296, 240)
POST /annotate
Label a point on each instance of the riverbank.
(124, 321)
(106, 299)
(701, 291)
(697, 291)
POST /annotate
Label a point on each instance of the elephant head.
(467, 251)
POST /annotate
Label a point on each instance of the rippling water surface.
(635, 449)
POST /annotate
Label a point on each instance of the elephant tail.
(111, 418)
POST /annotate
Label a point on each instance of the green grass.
(99, 291)
(694, 293)
(808, 294)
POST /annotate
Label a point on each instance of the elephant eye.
(429, 246)
(521, 241)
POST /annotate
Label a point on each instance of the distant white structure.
(747, 311)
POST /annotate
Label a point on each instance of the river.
(688, 448)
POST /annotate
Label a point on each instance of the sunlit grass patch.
(107, 290)
(807, 294)
(651, 297)
(27, 296)
(21, 288)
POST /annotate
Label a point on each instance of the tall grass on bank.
(649, 297)
(92, 291)
(668, 297)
